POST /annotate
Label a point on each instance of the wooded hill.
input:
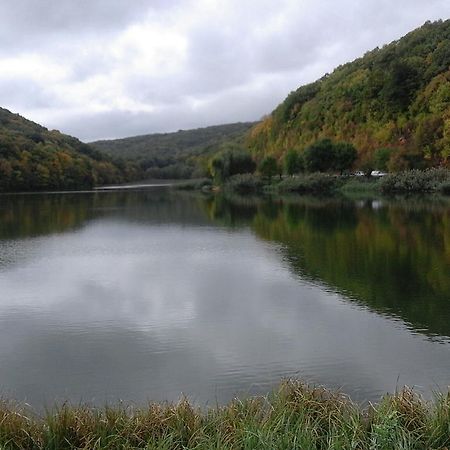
(34, 158)
(395, 99)
(183, 154)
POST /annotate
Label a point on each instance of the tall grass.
(295, 416)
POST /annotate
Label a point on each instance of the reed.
(295, 416)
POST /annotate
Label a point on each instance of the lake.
(143, 295)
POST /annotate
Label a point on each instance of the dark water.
(144, 295)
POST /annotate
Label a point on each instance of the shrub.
(315, 183)
(413, 181)
(244, 184)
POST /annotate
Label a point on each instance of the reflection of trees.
(394, 258)
(36, 215)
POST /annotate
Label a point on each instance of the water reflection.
(149, 294)
(393, 255)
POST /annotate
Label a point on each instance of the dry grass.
(296, 416)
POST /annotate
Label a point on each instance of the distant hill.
(34, 158)
(182, 154)
(396, 98)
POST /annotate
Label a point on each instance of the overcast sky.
(115, 68)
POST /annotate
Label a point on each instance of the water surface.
(149, 294)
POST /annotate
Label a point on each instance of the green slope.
(182, 154)
(34, 158)
(396, 97)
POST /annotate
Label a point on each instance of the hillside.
(182, 154)
(396, 98)
(34, 158)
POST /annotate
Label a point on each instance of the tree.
(345, 155)
(268, 167)
(319, 157)
(293, 162)
(231, 162)
(381, 158)
(241, 162)
(219, 167)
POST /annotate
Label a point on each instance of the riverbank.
(295, 416)
(408, 182)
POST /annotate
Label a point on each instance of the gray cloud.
(25, 94)
(111, 68)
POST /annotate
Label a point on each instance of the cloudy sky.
(114, 68)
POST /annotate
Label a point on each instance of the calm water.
(144, 295)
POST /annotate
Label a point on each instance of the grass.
(295, 416)
(361, 185)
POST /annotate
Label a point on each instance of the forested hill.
(34, 158)
(182, 154)
(395, 99)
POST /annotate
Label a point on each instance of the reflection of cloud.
(165, 65)
(121, 310)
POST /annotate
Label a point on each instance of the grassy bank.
(293, 417)
(324, 184)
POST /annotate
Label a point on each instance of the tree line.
(322, 156)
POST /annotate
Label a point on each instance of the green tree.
(241, 162)
(231, 162)
(219, 168)
(319, 157)
(293, 162)
(381, 158)
(345, 155)
(268, 167)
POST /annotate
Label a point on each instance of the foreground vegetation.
(296, 416)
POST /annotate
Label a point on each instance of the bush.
(244, 184)
(315, 183)
(413, 181)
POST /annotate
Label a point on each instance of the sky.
(101, 69)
